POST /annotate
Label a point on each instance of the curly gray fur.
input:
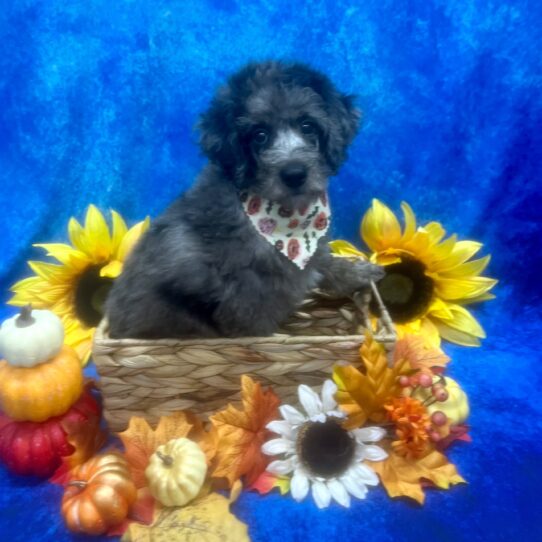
(202, 270)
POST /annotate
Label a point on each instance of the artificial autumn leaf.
(206, 439)
(266, 482)
(87, 439)
(241, 433)
(140, 440)
(236, 490)
(404, 478)
(362, 395)
(206, 520)
(142, 511)
(456, 432)
(419, 355)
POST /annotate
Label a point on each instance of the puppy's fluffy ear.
(219, 139)
(350, 117)
(347, 119)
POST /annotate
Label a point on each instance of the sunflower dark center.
(90, 294)
(406, 290)
(326, 449)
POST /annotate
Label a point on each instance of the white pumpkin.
(31, 338)
(176, 472)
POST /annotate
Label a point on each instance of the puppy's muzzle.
(294, 174)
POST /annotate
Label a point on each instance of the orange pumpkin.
(38, 393)
(99, 495)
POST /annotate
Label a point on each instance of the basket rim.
(101, 338)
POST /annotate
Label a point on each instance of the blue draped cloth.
(97, 105)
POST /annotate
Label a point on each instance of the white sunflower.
(322, 455)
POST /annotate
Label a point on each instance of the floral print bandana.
(294, 233)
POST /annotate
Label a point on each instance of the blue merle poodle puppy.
(242, 248)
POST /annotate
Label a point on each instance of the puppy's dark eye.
(308, 127)
(260, 136)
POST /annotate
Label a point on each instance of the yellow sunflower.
(76, 288)
(428, 278)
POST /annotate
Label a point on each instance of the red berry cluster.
(439, 393)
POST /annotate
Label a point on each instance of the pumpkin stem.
(25, 317)
(167, 459)
(78, 483)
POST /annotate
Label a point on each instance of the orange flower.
(411, 426)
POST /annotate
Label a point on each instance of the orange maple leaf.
(140, 440)
(412, 348)
(142, 511)
(363, 392)
(204, 434)
(403, 477)
(87, 439)
(241, 433)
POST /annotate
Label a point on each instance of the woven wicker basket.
(153, 378)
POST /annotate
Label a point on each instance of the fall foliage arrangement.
(74, 286)
(386, 419)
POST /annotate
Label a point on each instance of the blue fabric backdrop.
(97, 104)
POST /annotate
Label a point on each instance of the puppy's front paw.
(344, 277)
(367, 272)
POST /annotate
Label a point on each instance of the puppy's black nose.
(294, 174)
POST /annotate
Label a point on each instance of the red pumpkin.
(36, 448)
